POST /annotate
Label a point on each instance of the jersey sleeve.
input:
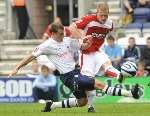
(42, 49)
(81, 23)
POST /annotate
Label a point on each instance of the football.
(129, 69)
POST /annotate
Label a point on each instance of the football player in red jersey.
(93, 58)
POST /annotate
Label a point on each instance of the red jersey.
(47, 32)
(91, 26)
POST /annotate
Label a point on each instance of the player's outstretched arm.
(22, 63)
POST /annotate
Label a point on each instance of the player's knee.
(82, 102)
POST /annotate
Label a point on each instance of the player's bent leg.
(110, 71)
(79, 93)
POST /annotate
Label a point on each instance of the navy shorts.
(78, 83)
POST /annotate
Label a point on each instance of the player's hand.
(14, 72)
(87, 39)
(87, 42)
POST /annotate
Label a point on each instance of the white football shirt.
(59, 53)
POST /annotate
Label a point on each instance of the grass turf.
(34, 109)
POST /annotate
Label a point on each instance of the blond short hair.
(103, 7)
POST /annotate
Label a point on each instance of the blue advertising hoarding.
(16, 89)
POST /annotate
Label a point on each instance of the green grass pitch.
(34, 109)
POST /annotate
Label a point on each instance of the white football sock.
(90, 96)
(67, 103)
(115, 91)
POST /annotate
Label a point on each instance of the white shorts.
(43, 60)
(91, 63)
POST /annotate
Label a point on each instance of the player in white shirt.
(59, 51)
